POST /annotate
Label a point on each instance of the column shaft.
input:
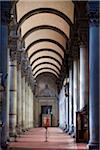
(67, 113)
(23, 102)
(83, 76)
(19, 97)
(4, 69)
(13, 96)
(26, 104)
(70, 100)
(94, 56)
(75, 90)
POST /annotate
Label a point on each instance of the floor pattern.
(35, 139)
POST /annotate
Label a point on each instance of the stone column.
(1, 89)
(32, 110)
(28, 96)
(23, 100)
(26, 103)
(78, 104)
(32, 87)
(66, 104)
(32, 102)
(84, 80)
(70, 97)
(66, 113)
(75, 91)
(30, 106)
(94, 56)
(4, 69)
(19, 92)
(13, 92)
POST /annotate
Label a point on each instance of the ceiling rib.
(47, 49)
(38, 52)
(42, 27)
(47, 57)
(46, 66)
(46, 63)
(46, 60)
(43, 10)
(47, 69)
(45, 40)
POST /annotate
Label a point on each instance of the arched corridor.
(49, 74)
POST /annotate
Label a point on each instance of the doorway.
(46, 111)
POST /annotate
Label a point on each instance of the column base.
(73, 135)
(74, 132)
(23, 130)
(71, 129)
(13, 134)
(93, 146)
(4, 146)
(67, 128)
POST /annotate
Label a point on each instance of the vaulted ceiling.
(45, 31)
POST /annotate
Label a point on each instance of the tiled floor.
(35, 140)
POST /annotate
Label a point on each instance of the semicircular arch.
(43, 10)
(50, 57)
(46, 40)
(42, 27)
(46, 71)
(46, 53)
(46, 60)
(47, 49)
(45, 64)
(46, 68)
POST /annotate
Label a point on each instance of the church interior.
(49, 74)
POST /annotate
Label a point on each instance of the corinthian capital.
(19, 57)
(13, 55)
(93, 12)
